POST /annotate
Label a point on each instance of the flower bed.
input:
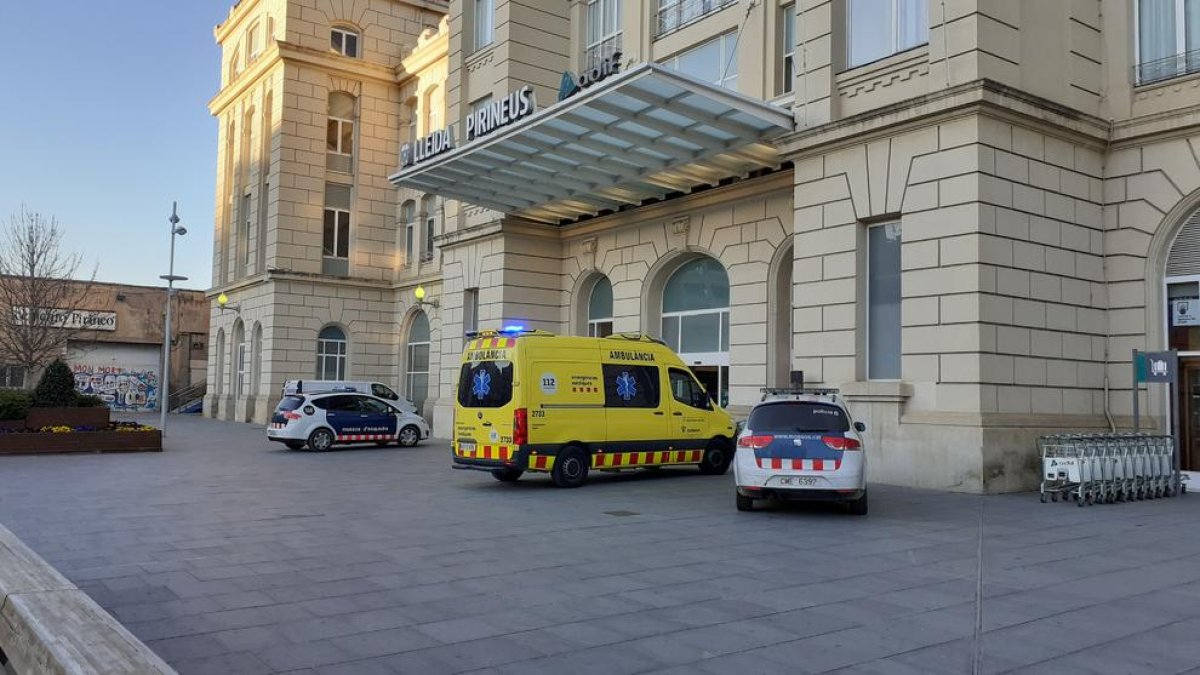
(113, 437)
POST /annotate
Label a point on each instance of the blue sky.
(104, 123)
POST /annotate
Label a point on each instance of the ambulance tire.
(570, 467)
(507, 475)
(294, 445)
(717, 458)
(858, 507)
(320, 440)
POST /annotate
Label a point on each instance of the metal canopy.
(641, 134)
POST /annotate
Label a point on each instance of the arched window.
(235, 63)
(408, 218)
(241, 360)
(252, 43)
(339, 133)
(256, 360)
(344, 41)
(695, 322)
(430, 208)
(600, 309)
(331, 354)
(417, 360)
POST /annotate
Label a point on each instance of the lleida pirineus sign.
(67, 319)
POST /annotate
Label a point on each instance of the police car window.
(630, 386)
(340, 403)
(383, 392)
(370, 405)
(290, 403)
(686, 390)
(798, 417)
(485, 384)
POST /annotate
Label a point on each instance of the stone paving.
(230, 554)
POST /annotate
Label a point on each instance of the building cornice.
(978, 97)
(236, 15)
(1184, 122)
(245, 80)
(429, 50)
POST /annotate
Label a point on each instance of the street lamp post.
(164, 396)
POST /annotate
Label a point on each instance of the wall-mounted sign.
(429, 147)
(572, 85)
(1185, 312)
(69, 319)
(498, 114)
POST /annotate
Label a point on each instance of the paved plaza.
(230, 554)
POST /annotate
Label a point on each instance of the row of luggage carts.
(1108, 468)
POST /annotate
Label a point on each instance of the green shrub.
(56, 389)
(89, 401)
(14, 404)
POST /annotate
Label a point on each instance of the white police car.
(321, 420)
(801, 444)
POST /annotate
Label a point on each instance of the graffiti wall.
(120, 375)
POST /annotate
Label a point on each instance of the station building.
(962, 214)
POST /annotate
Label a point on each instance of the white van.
(292, 387)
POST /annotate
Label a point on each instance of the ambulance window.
(485, 384)
(630, 386)
(798, 417)
(687, 391)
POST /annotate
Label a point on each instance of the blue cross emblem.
(481, 384)
(626, 386)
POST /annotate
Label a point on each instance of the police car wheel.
(507, 475)
(745, 503)
(320, 440)
(409, 436)
(294, 445)
(717, 458)
(570, 467)
(858, 507)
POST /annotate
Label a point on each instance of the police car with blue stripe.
(319, 421)
(801, 444)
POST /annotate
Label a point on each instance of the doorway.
(716, 382)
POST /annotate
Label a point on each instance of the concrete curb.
(48, 625)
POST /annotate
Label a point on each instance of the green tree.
(56, 389)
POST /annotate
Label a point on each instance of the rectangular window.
(429, 206)
(883, 302)
(243, 369)
(247, 222)
(408, 218)
(1168, 39)
(628, 386)
(470, 310)
(787, 47)
(675, 14)
(12, 377)
(713, 61)
(344, 41)
(601, 328)
(252, 42)
(335, 247)
(603, 31)
(879, 28)
(485, 27)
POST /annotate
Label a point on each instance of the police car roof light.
(797, 391)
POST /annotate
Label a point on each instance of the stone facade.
(1037, 185)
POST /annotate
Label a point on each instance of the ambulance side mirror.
(860, 427)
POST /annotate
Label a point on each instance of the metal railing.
(675, 14)
(1149, 72)
(187, 395)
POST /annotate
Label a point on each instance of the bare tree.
(36, 278)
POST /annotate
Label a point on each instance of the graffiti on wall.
(125, 389)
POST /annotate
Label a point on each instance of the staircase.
(188, 400)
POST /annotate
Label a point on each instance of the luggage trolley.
(1108, 468)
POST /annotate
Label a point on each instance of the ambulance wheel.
(320, 440)
(409, 436)
(570, 467)
(745, 503)
(294, 445)
(507, 475)
(858, 507)
(717, 457)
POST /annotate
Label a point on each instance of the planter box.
(82, 441)
(37, 418)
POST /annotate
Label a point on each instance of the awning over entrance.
(638, 135)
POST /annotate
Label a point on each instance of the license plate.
(466, 446)
(798, 481)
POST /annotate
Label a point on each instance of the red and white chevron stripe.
(800, 464)
(279, 425)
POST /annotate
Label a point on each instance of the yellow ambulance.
(535, 401)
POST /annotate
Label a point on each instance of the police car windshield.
(485, 384)
(798, 417)
(290, 403)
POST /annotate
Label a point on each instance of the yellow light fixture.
(222, 300)
(419, 293)
(223, 303)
